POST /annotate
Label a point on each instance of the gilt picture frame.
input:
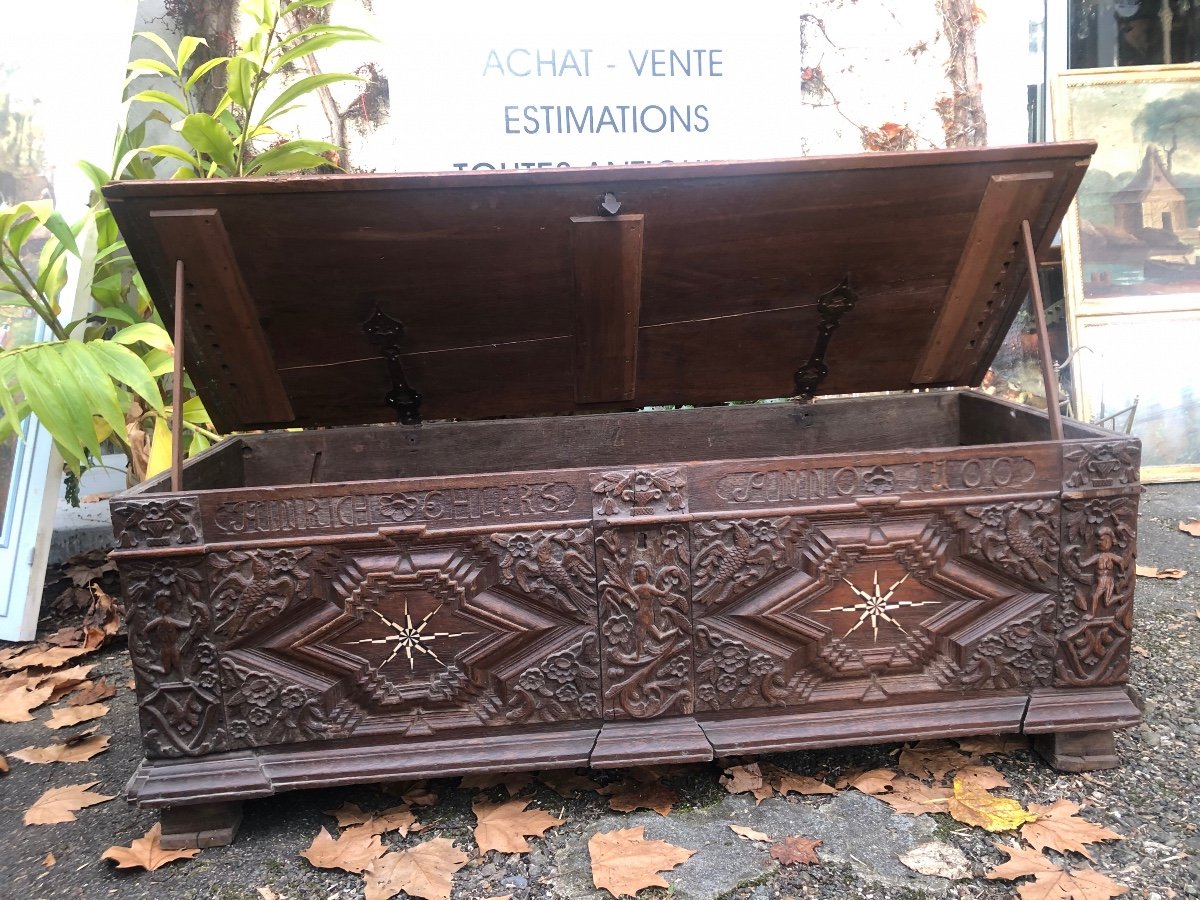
(1130, 256)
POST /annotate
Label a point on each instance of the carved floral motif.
(1101, 465)
(169, 522)
(557, 567)
(1097, 588)
(645, 621)
(1019, 537)
(173, 657)
(253, 587)
(639, 492)
(565, 687)
(262, 708)
(1019, 655)
(729, 675)
(736, 555)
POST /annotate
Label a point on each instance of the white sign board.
(566, 84)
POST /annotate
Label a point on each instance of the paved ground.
(1154, 800)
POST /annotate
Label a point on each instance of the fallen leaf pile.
(1153, 572)
(504, 826)
(797, 849)
(60, 804)
(1192, 527)
(1051, 880)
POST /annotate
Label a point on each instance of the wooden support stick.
(177, 386)
(1049, 376)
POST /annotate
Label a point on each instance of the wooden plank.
(863, 725)
(670, 740)
(226, 341)
(1049, 375)
(606, 254)
(984, 269)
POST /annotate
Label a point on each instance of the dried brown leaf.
(624, 862)
(1061, 828)
(797, 849)
(1191, 527)
(3, 764)
(146, 852)
(514, 782)
(49, 860)
(396, 818)
(628, 796)
(66, 680)
(939, 860)
(353, 850)
(747, 779)
(18, 700)
(414, 793)
(915, 798)
(980, 778)
(1051, 882)
(1154, 572)
(504, 826)
(72, 715)
(44, 657)
(61, 804)
(66, 752)
(748, 834)
(425, 871)
(932, 759)
(986, 811)
(983, 745)
(876, 781)
(786, 782)
(92, 692)
(567, 784)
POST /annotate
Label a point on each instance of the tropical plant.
(229, 140)
(104, 376)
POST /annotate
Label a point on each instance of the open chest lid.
(333, 300)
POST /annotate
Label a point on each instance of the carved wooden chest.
(497, 583)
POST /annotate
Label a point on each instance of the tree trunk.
(962, 117)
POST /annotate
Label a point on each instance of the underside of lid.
(329, 300)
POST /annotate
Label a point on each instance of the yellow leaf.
(972, 806)
(160, 448)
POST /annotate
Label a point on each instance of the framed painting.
(1130, 265)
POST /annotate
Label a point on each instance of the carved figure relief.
(250, 588)
(1101, 465)
(639, 492)
(174, 659)
(557, 567)
(732, 556)
(1019, 537)
(645, 621)
(170, 522)
(1097, 586)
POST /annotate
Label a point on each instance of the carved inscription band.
(785, 485)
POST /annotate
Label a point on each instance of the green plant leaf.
(159, 43)
(198, 444)
(156, 96)
(240, 73)
(203, 69)
(172, 152)
(58, 227)
(98, 389)
(194, 411)
(159, 363)
(187, 46)
(313, 44)
(148, 333)
(291, 156)
(160, 448)
(209, 136)
(305, 4)
(45, 394)
(301, 87)
(125, 367)
(150, 67)
(96, 175)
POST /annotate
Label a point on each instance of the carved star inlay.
(409, 637)
(876, 606)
